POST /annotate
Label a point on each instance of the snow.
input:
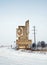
(10, 56)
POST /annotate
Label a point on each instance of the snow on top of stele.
(9, 56)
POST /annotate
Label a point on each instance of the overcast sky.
(15, 12)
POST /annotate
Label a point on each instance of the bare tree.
(43, 44)
(33, 46)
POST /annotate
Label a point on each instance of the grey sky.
(15, 12)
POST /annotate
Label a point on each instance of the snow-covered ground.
(10, 56)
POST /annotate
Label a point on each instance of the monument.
(22, 33)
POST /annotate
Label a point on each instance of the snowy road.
(12, 57)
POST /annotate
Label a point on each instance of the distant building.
(22, 33)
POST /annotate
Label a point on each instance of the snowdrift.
(10, 56)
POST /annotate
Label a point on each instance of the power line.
(34, 34)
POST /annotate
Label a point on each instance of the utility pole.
(34, 34)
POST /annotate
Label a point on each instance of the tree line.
(39, 45)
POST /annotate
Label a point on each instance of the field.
(10, 56)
